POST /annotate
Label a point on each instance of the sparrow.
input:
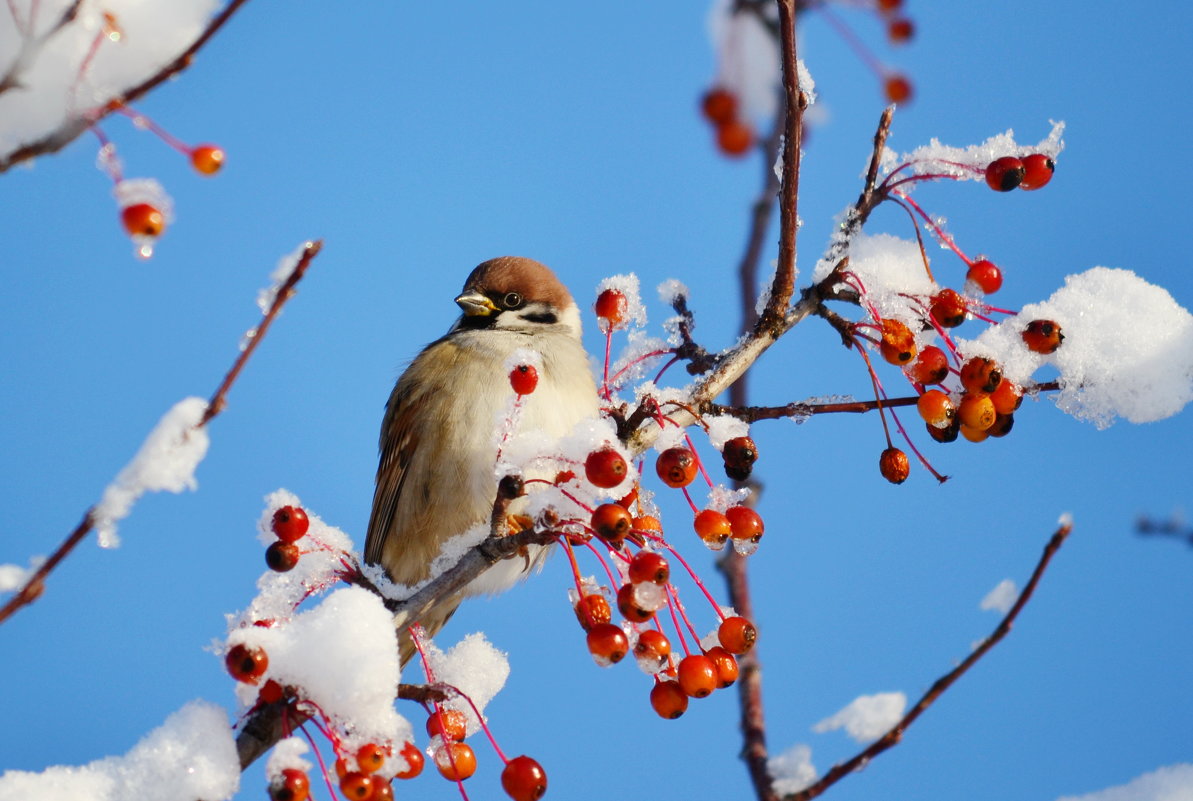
(438, 445)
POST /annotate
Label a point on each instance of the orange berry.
(382, 790)
(697, 675)
(677, 467)
(292, 785)
(627, 604)
(981, 375)
(370, 757)
(652, 645)
(719, 106)
(455, 761)
(414, 761)
(142, 219)
(451, 724)
(735, 138)
(737, 635)
(726, 665)
(897, 89)
(713, 527)
(898, 343)
(592, 610)
(649, 566)
(936, 408)
(668, 699)
(607, 643)
(1043, 336)
(647, 523)
(524, 779)
(976, 411)
(973, 434)
(894, 466)
(1007, 397)
(611, 522)
(744, 523)
(930, 367)
(948, 308)
(207, 159)
(356, 786)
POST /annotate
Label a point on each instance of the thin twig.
(33, 587)
(73, 127)
(895, 735)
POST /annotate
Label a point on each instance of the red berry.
(271, 692)
(726, 665)
(713, 527)
(1002, 425)
(292, 785)
(936, 408)
(898, 343)
(900, 30)
(207, 159)
(744, 523)
(719, 106)
(697, 675)
(894, 466)
(356, 786)
(739, 453)
(605, 468)
(737, 635)
(592, 610)
(1007, 397)
(1004, 174)
(524, 779)
(143, 219)
(281, 556)
(981, 375)
(897, 88)
(668, 699)
(976, 411)
(607, 643)
(290, 523)
(450, 724)
(735, 138)
(611, 309)
(247, 664)
(985, 275)
(887, 6)
(370, 757)
(676, 467)
(1043, 336)
(414, 761)
(1037, 171)
(930, 367)
(627, 604)
(653, 645)
(946, 434)
(611, 522)
(455, 761)
(948, 308)
(650, 567)
(524, 378)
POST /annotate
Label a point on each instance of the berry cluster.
(290, 524)
(734, 136)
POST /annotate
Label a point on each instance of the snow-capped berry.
(291, 785)
(607, 643)
(735, 138)
(893, 465)
(281, 556)
(207, 159)
(290, 523)
(653, 647)
(898, 343)
(611, 522)
(370, 757)
(246, 663)
(1004, 174)
(713, 527)
(611, 309)
(524, 378)
(1037, 171)
(739, 454)
(981, 375)
(936, 408)
(592, 610)
(668, 699)
(1043, 336)
(648, 566)
(414, 761)
(628, 605)
(737, 635)
(450, 724)
(143, 219)
(931, 366)
(697, 675)
(985, 275)
(744, 523)
(605, 468)
(677, 467)
(948, 308)
(897, 89)
(946, 434)
(524, 779)
(719, 106)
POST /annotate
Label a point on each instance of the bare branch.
(33, 588)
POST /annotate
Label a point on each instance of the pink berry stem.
(322, 765)
(567, 547)
(695, 578)
(479, 717)
(672, 602)
(641, 359)
(936, 229)
(674, 594)
(613, 582)
(699, 461)
(605, 375)
(851, 39)
(666, 367)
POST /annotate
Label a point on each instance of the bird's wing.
(399, 441)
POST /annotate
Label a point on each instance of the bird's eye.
(512, 300)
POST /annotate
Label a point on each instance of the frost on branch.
(792, 770)
(166, 461)
(54, 77)
(1127, 352)
(190, 756)
(867, 717)
(1001, 598)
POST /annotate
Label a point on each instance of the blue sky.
(418, 141)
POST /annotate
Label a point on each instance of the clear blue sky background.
(420, 139)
